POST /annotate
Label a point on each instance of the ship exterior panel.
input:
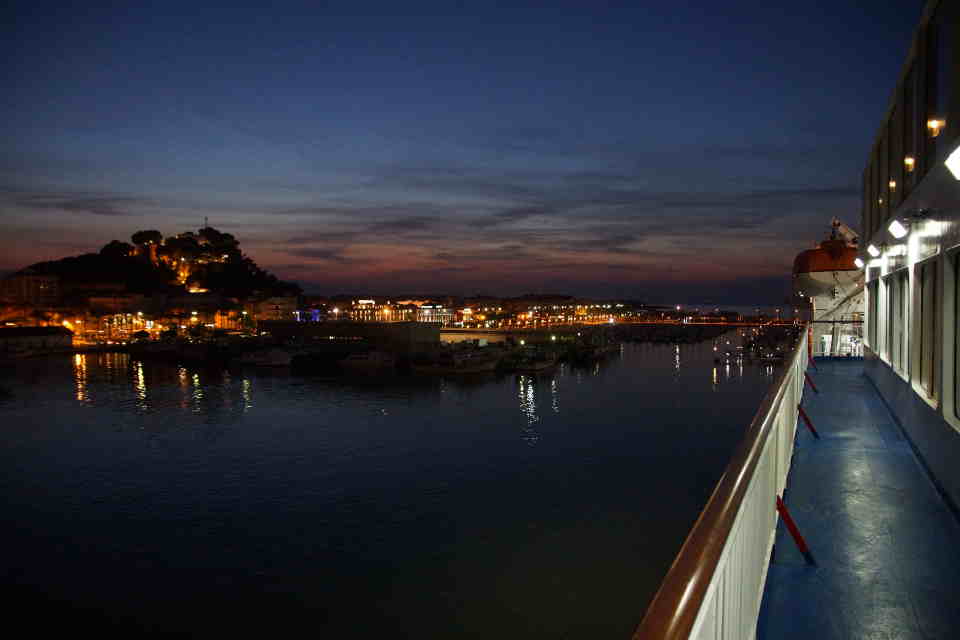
(911, 247)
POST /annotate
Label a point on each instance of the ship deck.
(887, 545)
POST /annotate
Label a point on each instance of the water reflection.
(528, 405)
(247, 395)
(356, 463)
(80, 376)
(140, 386)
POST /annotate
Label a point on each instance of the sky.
(666, 151)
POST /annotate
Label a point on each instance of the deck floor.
(886, 544)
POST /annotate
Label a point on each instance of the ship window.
(938, 78)
(927, 283)
(897, 291)
(872, 317)
(894, 156)
(909, 129)
(882, 178)
(956, 334)
(888, 337)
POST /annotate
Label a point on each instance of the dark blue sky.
(669, 150)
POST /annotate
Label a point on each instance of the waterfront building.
(21, 340)
(119, 303)
(911, 246)
(274, 308)
(435, 313)
(29, 288)
(371, 311)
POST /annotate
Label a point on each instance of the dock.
(886, 542)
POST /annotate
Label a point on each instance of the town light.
(897, 229)
(873, 251)
(910, 163)
(858, 262)
(893, 185)
(953, 163)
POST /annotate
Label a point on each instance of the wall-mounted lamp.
(953, 163)
(910, 163)
(897, 229)
(900, 226)
(935, 125)
(858, 262)
(873, 251)
(893, 185)
(880, 201)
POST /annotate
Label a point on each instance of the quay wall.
(397, 337)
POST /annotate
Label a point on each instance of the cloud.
(98, 204)
(402, 225)
(319, 253)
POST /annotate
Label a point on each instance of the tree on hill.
(242, 278)
(149, 236)
(110, 265)
(235, 276)
(116, 249)
(183, 246)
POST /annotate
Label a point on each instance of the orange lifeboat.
(830, 255)
(829, 269)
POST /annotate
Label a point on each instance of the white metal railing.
(838, 339)
(715, 585)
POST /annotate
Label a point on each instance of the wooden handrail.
(674, 608)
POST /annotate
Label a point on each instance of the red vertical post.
(806, 418)
(810, 347)
(810, 380)
(795, 532)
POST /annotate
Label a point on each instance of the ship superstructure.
(910, 247)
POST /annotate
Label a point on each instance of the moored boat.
(369, 363)
(267, 358)
(453, 362)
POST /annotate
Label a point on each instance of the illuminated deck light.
(897, 229)
(935, 125)
(873, 251)
(953, 163)
(858, 262)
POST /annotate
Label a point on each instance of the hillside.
(151, 263)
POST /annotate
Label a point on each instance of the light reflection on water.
(528, 405)
(80, 375)
(543, 505)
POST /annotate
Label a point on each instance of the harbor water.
(143, 496)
